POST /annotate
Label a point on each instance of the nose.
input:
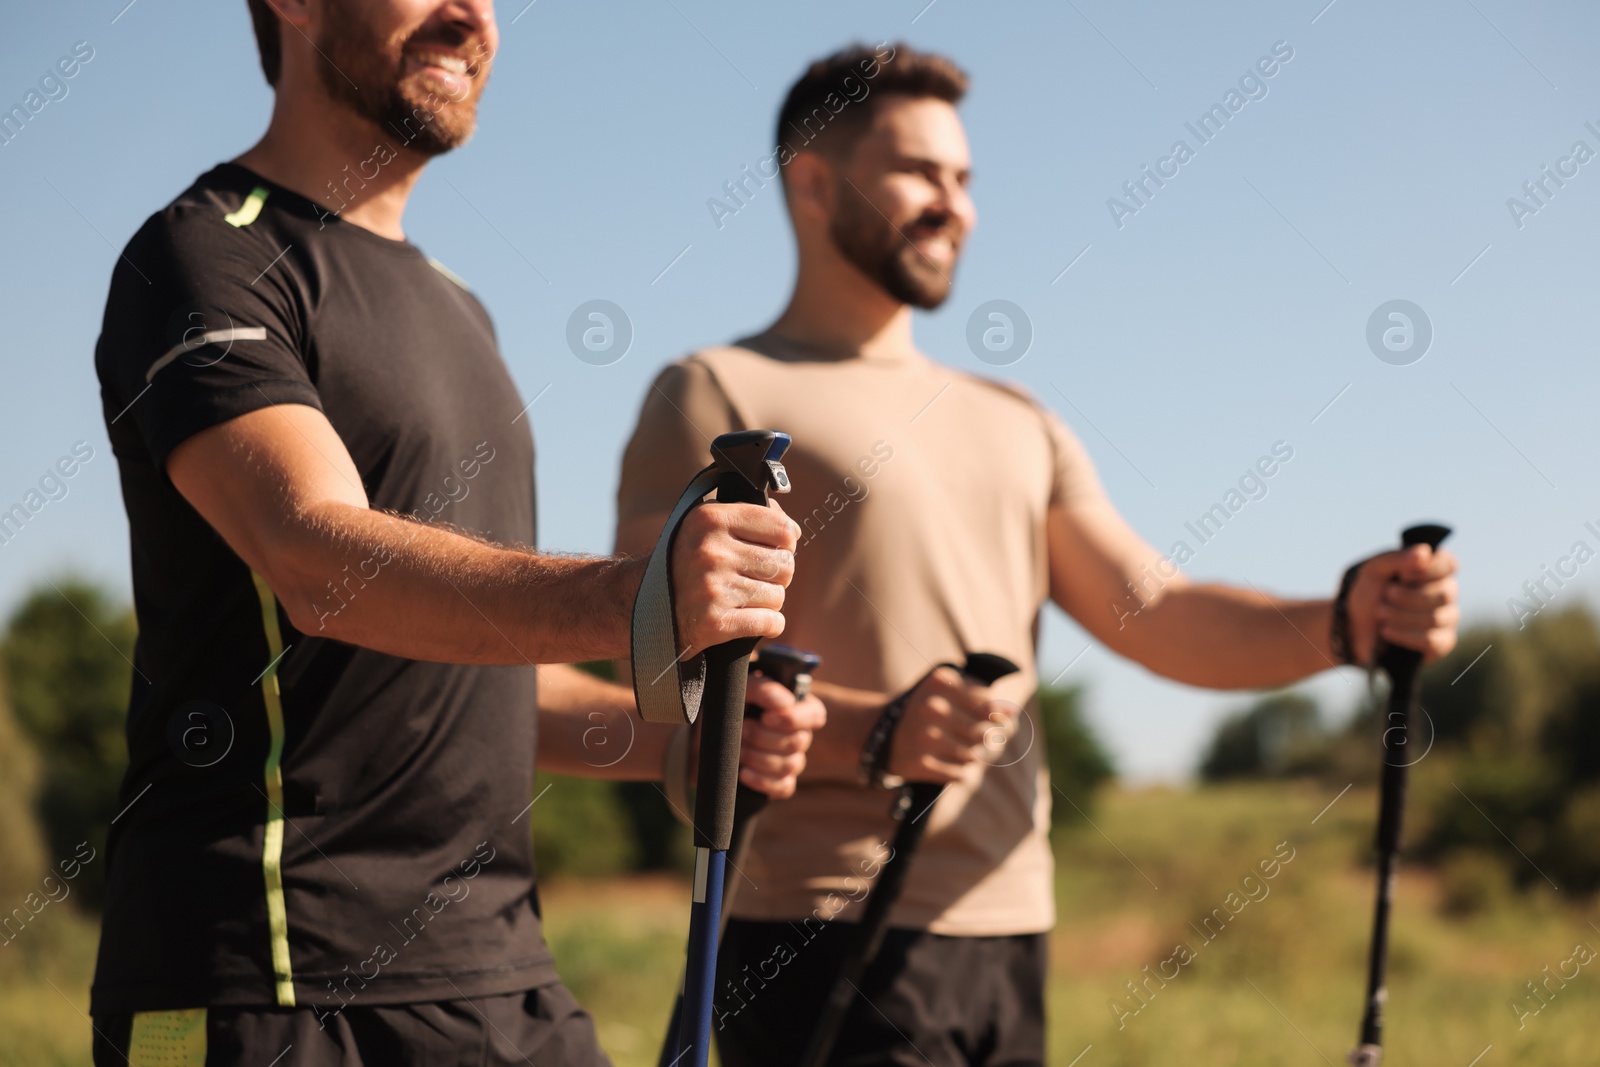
(957, 203)
(471, 17)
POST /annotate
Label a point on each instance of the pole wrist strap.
(1339, 628)
(874, 767)
(666, 686)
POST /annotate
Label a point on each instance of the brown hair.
(265, 20)
(837, 93)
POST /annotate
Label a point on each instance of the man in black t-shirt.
(328, 475)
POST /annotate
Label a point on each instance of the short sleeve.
(202, 325)
(683, 411)
(1074, 481)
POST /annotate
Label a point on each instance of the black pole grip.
(722, 708)
(791, 668)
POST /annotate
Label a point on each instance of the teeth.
(453, 64)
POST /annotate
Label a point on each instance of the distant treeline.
(1506, 780)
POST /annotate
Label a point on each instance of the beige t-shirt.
(922, 494)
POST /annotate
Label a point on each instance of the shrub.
(68, 651)
(1078, 762)
(1280, 735)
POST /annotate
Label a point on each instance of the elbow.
(312, 607)
(317, 593)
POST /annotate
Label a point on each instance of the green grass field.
(1279, 982)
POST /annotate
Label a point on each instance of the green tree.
(22, 849)
(1279, 735)
(1516, 712)
(67, 653)
(1078, 762)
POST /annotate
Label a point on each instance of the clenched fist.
(730, 566)
(949, 722)
(772, 753)
(1408, 597)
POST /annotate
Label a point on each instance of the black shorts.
(544, 1025)
(926, 999)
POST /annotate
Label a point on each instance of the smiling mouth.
(452, 71)
(936, 244)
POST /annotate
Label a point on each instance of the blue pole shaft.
(700, 975)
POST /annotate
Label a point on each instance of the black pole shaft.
(721, 726)
(792, 669)
(748, 804)
(1391, 810)
(747, 807)
(1404, 667)
(916, 802)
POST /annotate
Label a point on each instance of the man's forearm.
(1223, 637)
(588, 728)
(371, 579)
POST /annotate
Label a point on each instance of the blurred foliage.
(67, 654)
(21, 847)
(582, 828)
(1518, 735)
(1456, 985)
(1511, 771)
(1280, 735)
(1078, 761)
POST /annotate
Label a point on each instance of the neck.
(325, 152)
(836, 308)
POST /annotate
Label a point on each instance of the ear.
(297, 13)
(810, 180)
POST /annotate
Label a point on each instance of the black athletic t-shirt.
(306, 822)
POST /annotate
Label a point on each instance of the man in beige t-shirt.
(940, 511)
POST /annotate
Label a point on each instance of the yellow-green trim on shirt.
(272, 845)
(250, 209)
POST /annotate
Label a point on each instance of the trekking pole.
(791, 668)
(1404, 667)
(916, 800)
(746, 468)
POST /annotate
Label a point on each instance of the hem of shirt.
(262, 393)
(1038, 924)
(311, 991)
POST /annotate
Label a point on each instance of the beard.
(367, 73)
(882, 253)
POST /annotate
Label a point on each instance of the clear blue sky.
(1222, 317)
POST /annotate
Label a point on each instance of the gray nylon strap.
(666, 686)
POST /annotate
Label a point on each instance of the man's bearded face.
(420, 83)
(886, 253)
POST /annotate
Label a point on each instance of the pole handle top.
(1427, 533)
